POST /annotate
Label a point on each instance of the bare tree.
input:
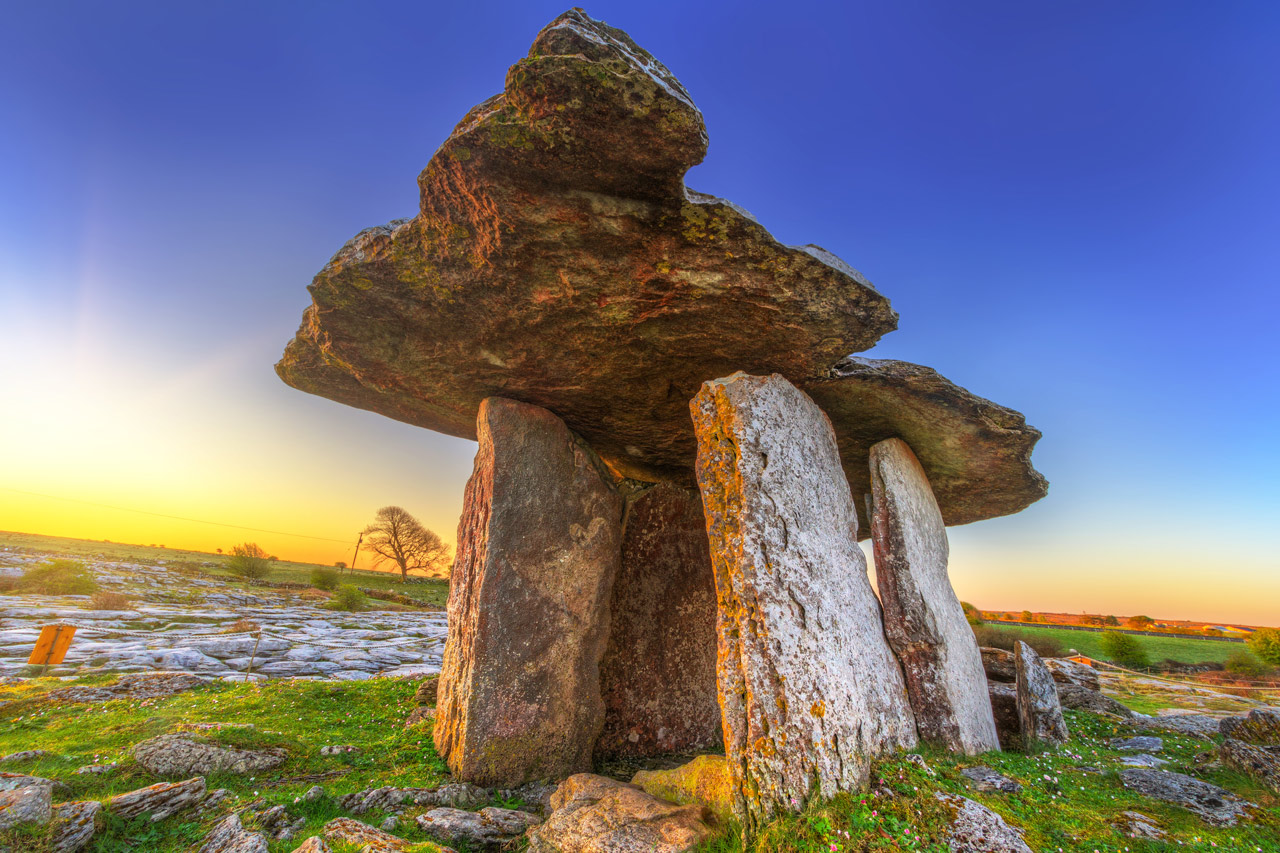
(396, 536)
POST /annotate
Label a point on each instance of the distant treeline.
(1104, 629)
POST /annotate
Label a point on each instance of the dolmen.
(677, 453)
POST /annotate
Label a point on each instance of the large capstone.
(923, 619)
(538, 545)
(809, 689)
(658, 676)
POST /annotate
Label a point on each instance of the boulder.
(999, 665)
(809, 690)
(1213, 804)
(1004, 710)
(368, 839)
(974, 828)
(557, 258)
(1261, 764)
(183, 755)
(923, 619)
(27, 805)
(593, 813)
(1259, 726)
(1038, 707)
(658, 674)
(538, 549)
(230, 837)
(1069, 672)
(705, 781)
(488, 829)
(1083, 699)
(73, 826)
(985, 780)
(160, 800)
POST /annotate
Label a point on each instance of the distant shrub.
(324, 578)
(58, 577)
(248, 561)
(1124, 649)
(1028, 616)
(1140, 621)
(1245, 662)
(1265, 643)
(348, 597)
(340, 564)
(103, 600)
(972, 614)
(1004, 638)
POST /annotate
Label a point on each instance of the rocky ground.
(183, 622)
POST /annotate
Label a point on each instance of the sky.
(1074, 207)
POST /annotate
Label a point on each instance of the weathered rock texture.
(1083, 699)
(658, 675)
(1215, 805)
(488, 829)
(161, 800)
(998, 664)
(184, 755)
(977, 454)
(557, 258)
(808, 686)
(977, 829)
(538, 549)
(1077, 674)
(1038, 708)
(1261, 764)
(923, 619)
(1004, 711)
(32, 804)
(705, 780)
(592, 813)
(73, 825)
(229, 836)
(1260, 726)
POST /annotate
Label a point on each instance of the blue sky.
(1074, 208)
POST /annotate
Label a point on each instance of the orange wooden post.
(52, 645)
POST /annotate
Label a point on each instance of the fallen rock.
(1213, 804)
(1259, 726)
(73, 826)
(371, 840)
(998, 664)
(538, 549)
(1252, 760)
(1196, 725)
(705, 780)
(809, 690)
(658, 673)
(230, 837)
(975, 828)
(391, 799)
(182, 755)
(149, 685)
(161, 800)
(1070, 672)
(1004, 710)
(923, 619)
(1138, 825)
(1038, 707)
(340, 749)
(488, 829)
(314, 844)
(1142, 743)
(1083, 699)
(592, 813)
(30, 804)
(985, 780)
(24, 755)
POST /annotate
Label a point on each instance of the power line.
(173, 517)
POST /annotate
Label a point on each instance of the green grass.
(1183, 649)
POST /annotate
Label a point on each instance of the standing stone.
(1038, 707)
(658, 676)
(808, 687)
(923, 618)
(538, 545)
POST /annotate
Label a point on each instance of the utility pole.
(352, 568)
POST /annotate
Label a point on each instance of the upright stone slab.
(923, 618)
(538, 545)
(1038, 707)
(658, 676)
(808, 687)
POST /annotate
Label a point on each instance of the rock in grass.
(73, 825)
(161, 800)
(1077, 674)
(1142, 743)
(1038, 706)
(419, 715)
(95, 769)
(705, 780)
(426, 692)
(1196, 725)
(986, 780)
(340, 749)
(1138, 825)
(596, 813)
(1252, 760)
(13, 781)
(1214, 805)
(230, 836)
(344, 830)
(975, 828)
(24, 755)
(182, 755)
(1082, 699)
(488, 829)
(314, 844)
(32, 804)
(1141, 760)
(147, 685)
(1259, 726)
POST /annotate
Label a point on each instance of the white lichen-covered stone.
(923, 619)
(977, 829)
(1039, 710)
(809, 689)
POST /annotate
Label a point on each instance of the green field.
(433, 591)
(1182, 649)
